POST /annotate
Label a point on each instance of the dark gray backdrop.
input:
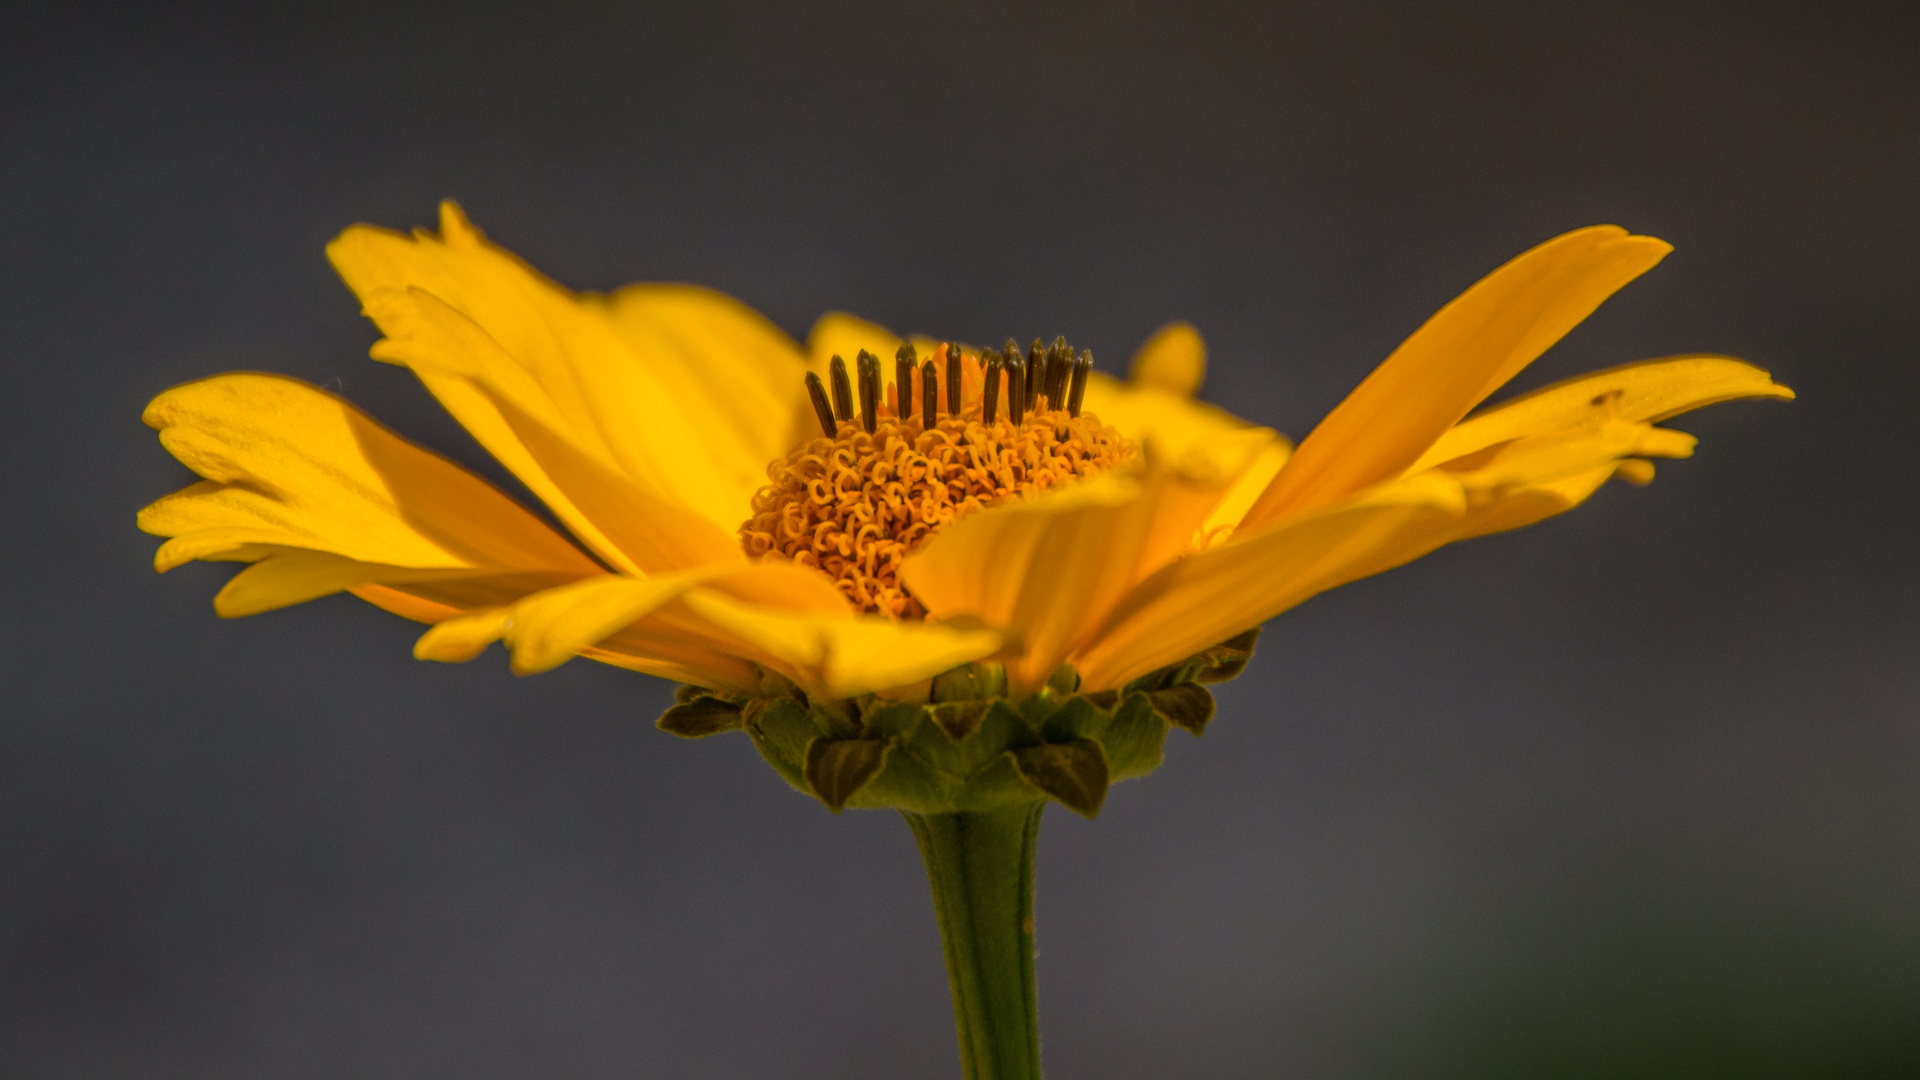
(1634, 793)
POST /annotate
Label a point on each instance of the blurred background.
(1635, 793)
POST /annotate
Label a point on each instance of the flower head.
(990, 527)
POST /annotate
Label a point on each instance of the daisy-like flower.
(946, 579)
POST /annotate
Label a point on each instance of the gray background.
(1633, 793)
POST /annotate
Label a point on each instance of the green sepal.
(780, 730)
(1136, 739)
(1186, 705)
(960, 719)
(966, 747)
(1073, 774)
(836, 719)
(686, 692)
(700, 717)
(837, 768)
(1228, 659)
(891, 720)
(970, 682)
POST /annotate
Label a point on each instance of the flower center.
(857, 501)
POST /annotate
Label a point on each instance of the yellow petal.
(548, 629)
(1174, 359)
(459, 639)
(573, 361)
(1529, 480)
(1173, 424)
(285, 576)
(708, 345)
(327, 498)
(633, 526)
(1212, 595)
(1651, 391)
(845, 656)
(1046, 570)
(1461, 355)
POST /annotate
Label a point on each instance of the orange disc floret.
(855, 506)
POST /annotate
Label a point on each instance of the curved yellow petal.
(712, 347)
(324, 499)
(844, 656)
(1211, 595)
(283, 576)
(1529, 480)
(1651, 391)
(1461, 355)
(463, 637)
(573, 362)
(1175, 425)
(1046, 570)
(1174, 359)
(632, 526)
(550, 628)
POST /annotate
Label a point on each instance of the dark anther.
(1014, 352)
(869, 369)
(1081, 369)
(1059, 371)
(953, 378)
(903, 365)
(992, 391)
(929, 394)
(820, 407)
(1016, 389)
(1038, 374)
(842, 389)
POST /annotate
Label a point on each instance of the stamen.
(856, 506)
(903, 365)
(1036, 374)
(1081, 369)
(869, 371)
(820, 407)
(1059, 371)
(953, 378)
(929, 394)
(842, 390)
(991, 393)
(1016, 389)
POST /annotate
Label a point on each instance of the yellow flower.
(720, 538)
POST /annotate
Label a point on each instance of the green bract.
(967, 747)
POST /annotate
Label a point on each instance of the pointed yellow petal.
(1650, 391)
(573, 362)
(1046, 570)
(633, 526)
(842, 657)
(460, 639)
(290, 465)
(548, 629)
(1529, 480)
(1174, 359)
(1212, 595)
(1173, 424)
(709, 346)
(286, 576)
(1461, 355)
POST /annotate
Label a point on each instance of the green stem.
(981, 868)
